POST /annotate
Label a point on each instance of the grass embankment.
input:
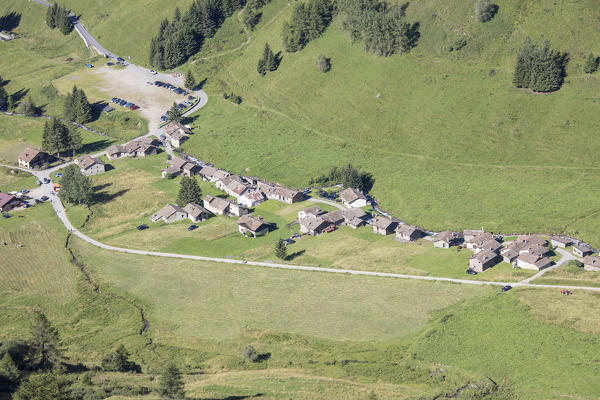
(15, 181)
(570, 275)
(466, 149)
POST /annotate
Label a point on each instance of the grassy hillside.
(450, 142)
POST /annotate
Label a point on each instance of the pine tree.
(118, 360)
(45, 344)
(51, 16)
(189, 192)
(174, 114)
(70, 107)
(83, 108)
(3, 99)
(176, 16)
(261, 68)
(44, 386)
(190, 81)
(9, 373)
(170, 384)
(280, 249)
(590, 66)
(49, 144)
(76, 188)
(522, 73)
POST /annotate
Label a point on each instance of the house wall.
(526, 265)
(177, 216)
(588, 267)
(441, 244)
(558, 244)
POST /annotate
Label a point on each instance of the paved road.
(566, 257)
(331, 203)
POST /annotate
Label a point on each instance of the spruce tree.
(591, 64)
(9, 373)
(189, 192)
(76, 188)
(46, 347)
(523, 66)
(3, 99)
(51, 16)
(70, 107)
(83, 108)
(170, 384)
(280, 249)
(174, 114)
(190, 81)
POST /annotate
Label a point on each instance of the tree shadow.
(189, 119)
(10, 21)
(278, 59)
(105, 197)
(367, 181)
(243, 397)
(100, 187)
(4, 82)
(18, 96)
(94, 147)
(263, 357)
(290, 257)
(75, 368)
(201, 84)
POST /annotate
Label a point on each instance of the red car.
(134, 107)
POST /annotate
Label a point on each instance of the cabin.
(33, 158)
(90, 165)
(384, 226)
(249, 225)
(353, 198)
(407, 233)
(591, 263)
(483, 260)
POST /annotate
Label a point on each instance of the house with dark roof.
(509, 255)
(33, 158)
(335, 218)
(407, 233)
(354, 217)
(7, 202)
(90, 165)
(384, 226)
(582, 249)
(483, 260)
(249, 225)
(591, 263)
(353, 198)
(314, 225)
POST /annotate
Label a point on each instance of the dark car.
(471, 272)
(191, 98)
(142, 227)
(46, 180)
(122, 102)
(44, 198)
(120, 59)
(192, 227)
(134, 107)
(506, 288)
(113, 100)
(163, 118)
(128, 105)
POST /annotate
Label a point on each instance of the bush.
(459, 43)
(485, 10)
(251, 354)
(323, 63)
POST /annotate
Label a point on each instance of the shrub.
(485, 10)
(251, 354)
(323, 63)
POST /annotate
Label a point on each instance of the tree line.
(183, 36)
(36, 369)
(348, 176)
(308, 21)
(539, 67)
(381, 27)
(58, 17)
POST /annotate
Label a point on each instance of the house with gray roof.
(196, 213)
(90, 165)
(353, 198)
(591, 263)
(250, 225)
(384, 226)
(483, 260)
(169, 214)
(530, 261)
(407, 233)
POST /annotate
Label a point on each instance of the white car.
(153, 72)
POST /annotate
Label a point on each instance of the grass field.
(17, 181)
(570, 275)
(16, 133)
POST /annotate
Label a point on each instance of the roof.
(407, 230)
(510, 253)
(277, 190)
(491, 244)
(382, 222)
(561, 239)
(350, 194)
(583, 247)
(172, 127)
(313, 210)
(445, 236)
(254, 195)
(5, 199)
(481, 238)
(333, 216)
(313, 223)
(29, 154)
(177, 135)
(354, 213)
(177, 162)
(195, 210)
(533, 259)
(114, 149)
(251, 222)
(86, 162)
(484, 256)
(234, 184)
(594, 261)
(208, 170)
(473, 232)
(217, 202)
(168, 210)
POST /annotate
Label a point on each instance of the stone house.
(483, 260)
(530, 261)
(354, 217)
(249, 225)
(233, 185)
(7, 202)
(169, 214)
(33, 158)
(353, 198)
(477, 241)
(408, 233)
(251, 198)
(509, 255)
(280, 193)
(446, 239)
(179, 166)
(313, 225)
(114, 152)
(560, 241)
(335, 218)
(212, 174)
(591, 263)
(582, 249)
(177, 133)
(196, 213)
(219, 206)
(470, 234)
(310, 211)
(140, 148)
(384, 226)
(491, 245)
(90, 165)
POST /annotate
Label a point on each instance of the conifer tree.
(190, 81)
(83, 108)
(189, 192)
(51, 15)
(280, 249)
(170, 384)
(45, 386)
(3, 99)
(70, 112)
(174, 114)
(9, 373)
(46, 347)
(76, 188)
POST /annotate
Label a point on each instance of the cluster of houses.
(177, 133)
(139, 148)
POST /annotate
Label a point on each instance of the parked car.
(23, 191)
(113, 100)
(192, 227)
(191, 98)
(163, 118)
(119, 59)
(135, 107)
(142, 227)
(5, 215)
(149, 84)
(153, 72)
(46, 180)
(44, 198)
(128, 105)
(506, 288)
(162, 136)
(110, 64)
(58, 174)
(89, 66)
(471, 272)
